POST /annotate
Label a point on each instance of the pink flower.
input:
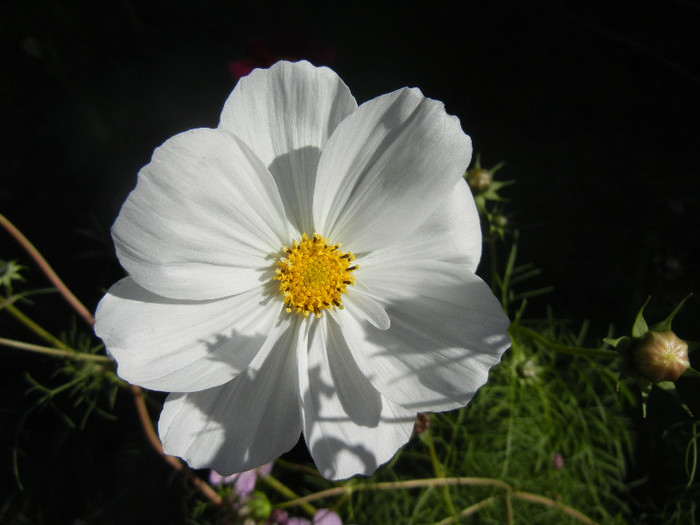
(243, 482)
(322, 517)
(265, 52)
(558, 461)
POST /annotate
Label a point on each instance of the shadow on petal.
(443, 339)
(295, 176)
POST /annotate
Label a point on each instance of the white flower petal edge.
(177, 346)
(386, 168)
(349, 426)
(451, 234)
(447, 330)
(203, 217)
(243, 424)
(286, 114)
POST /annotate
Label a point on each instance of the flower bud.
(422, 423)
(558, 461)
(661, 356)
(9, 272)
(479, 179)
(527, 369)
(258, 506)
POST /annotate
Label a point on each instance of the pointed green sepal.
(619, 342)
(670, 388)
(640, 325)
(664, 325)
(691, 372)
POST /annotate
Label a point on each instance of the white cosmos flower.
(242, 304)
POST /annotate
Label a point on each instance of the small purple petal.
(558, 461)
(326, 517)
(265, 469)
(278, 517)
(298, 521)
(217, 479)
(246, 482)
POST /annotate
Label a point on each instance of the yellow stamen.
(313, 274)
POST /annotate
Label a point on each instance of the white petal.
(242, 424)
(363, 306)
(182, 346)
(349, 427)
(386, 168)
(451, 234)
(202, 219)
(447, 330)
(286, 114)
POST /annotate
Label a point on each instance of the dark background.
(593, 107)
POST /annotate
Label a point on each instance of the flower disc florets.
(313, 274)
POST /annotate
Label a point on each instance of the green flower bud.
(258, 506)
(527, 369)
(479, 179)
(660, 356)
(9, 272)
(500, 221)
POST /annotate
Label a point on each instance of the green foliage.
(91, 387)
(517, 429)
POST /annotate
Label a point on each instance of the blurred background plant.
(595, 110)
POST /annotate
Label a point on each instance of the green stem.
(287, 493)
(440, 473)
(34, 327)
(494, 265)
(691, 456)
(564, 349)
(473, 509)
(70, 354)
(548, 502)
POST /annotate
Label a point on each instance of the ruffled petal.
(244, 423)
(447, 330)
(203, 219)
(176, 346)
(451, 234)
(386, 168)
(286, 114)
(349, 427)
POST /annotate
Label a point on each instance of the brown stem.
(440, 482)
(139, 400)
(536, 498)
(48, 271)
(394, 485)
(152, 437)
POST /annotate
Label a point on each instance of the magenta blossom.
(322, 517)
(243, 482)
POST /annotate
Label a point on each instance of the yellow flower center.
(313, 274)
